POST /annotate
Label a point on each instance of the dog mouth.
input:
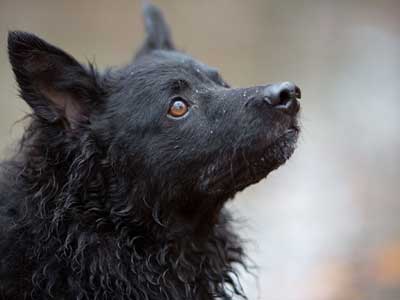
(292, 130)
(275, 154)
(249, 165)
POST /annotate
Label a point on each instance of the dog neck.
(115, 241)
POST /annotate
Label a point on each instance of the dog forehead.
(174, 61)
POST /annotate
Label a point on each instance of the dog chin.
(266, 160)
(249, 168)
(281, 150)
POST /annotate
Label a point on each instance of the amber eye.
(178, 107)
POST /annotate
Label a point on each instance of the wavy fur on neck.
(83, 227)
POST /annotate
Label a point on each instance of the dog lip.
(292, 129)
(291, 134)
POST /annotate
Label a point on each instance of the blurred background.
(326, 226)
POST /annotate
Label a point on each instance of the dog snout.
(283, 96)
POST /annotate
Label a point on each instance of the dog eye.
(178, 107)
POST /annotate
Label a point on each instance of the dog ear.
(52, 82)
(157, 30)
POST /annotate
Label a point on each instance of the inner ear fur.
(53, 83)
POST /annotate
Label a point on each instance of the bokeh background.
(326, 226)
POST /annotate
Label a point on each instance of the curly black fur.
(110, 198)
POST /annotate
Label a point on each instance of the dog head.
(165, 119)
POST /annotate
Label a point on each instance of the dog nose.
(283, 96)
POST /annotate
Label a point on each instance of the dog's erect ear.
(52, 82)
(157, 30)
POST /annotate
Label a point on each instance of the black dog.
(118, 189)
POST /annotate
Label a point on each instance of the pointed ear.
(157, 30)
(52, 82)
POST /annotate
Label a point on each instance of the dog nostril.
(280, 94)
(297, 92)
(284, 96)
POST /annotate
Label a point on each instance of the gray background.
(326, 225)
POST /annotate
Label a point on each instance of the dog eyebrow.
(178, 85)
